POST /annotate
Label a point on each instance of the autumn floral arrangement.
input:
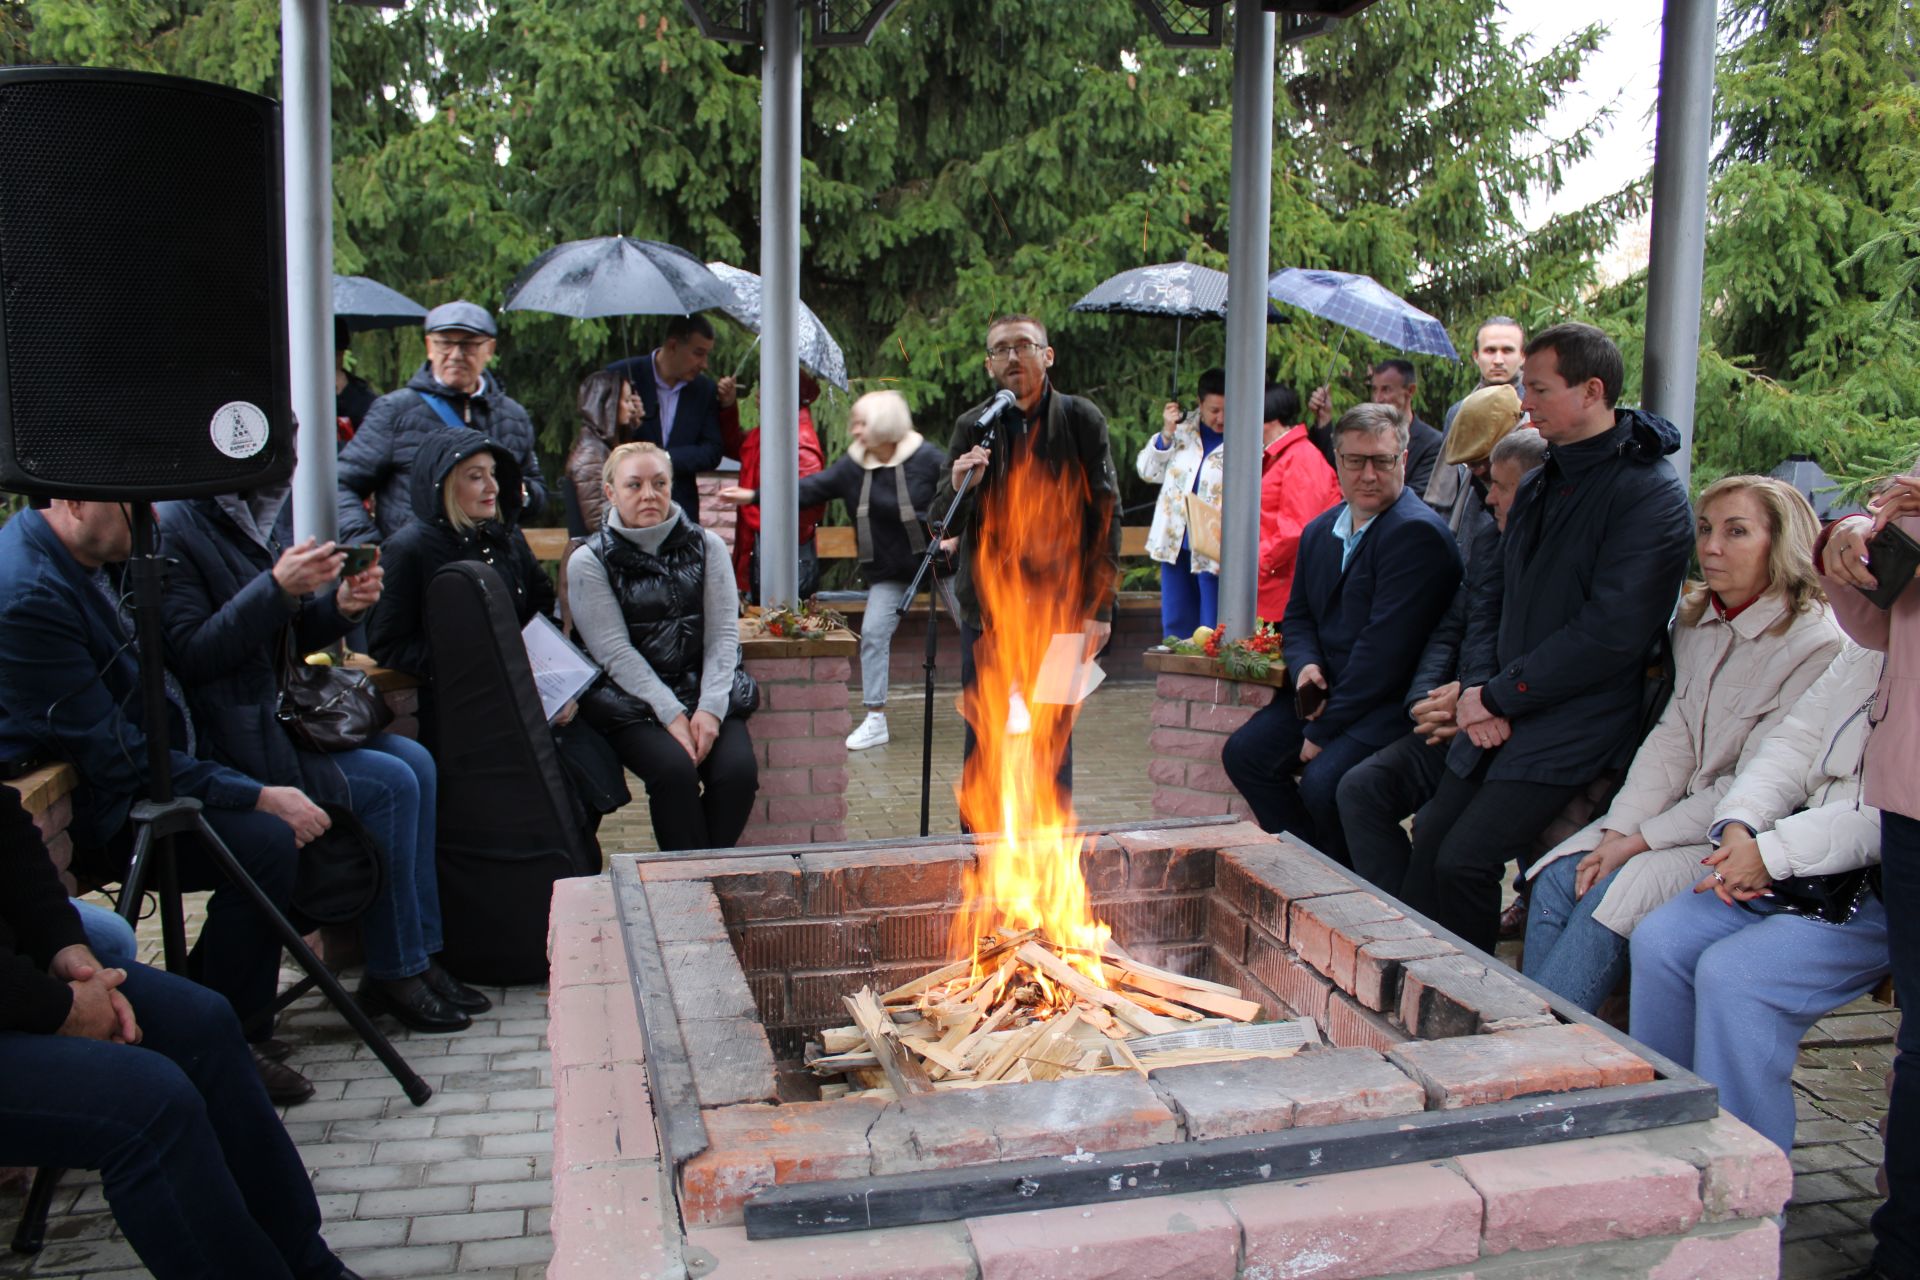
(810, 619)
(1251, 657)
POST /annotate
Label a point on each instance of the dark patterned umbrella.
(368, 304)
(616, 276)
(820, 355)
(1183, 290)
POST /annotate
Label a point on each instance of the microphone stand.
(934, 595)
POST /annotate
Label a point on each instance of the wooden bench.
(833, 542)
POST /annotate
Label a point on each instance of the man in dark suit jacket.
(683, 404)
(1374, 576)
(1391, 382)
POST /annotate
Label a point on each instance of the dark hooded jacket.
(379, 459)
(397, 629)
(892, 553)
(227, 623)
(1596, 546)
(599, 433)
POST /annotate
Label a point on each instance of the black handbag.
(1834, 899)
(339, 875)
(329, 708)
(1892, 558)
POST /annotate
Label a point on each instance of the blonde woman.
(1183, 457)
(1752, 635)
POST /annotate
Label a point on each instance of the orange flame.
(1033, 584)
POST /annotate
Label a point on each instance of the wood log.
(1198, 984)
(904, 1073)
(1073, 980)
(1198, 997)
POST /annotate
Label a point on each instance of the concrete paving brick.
(938, 1252)
(379, 1177)
(481, 1169)
(452, 1228)
(365, 1233)
(538, 1142)
(416, 1200)
(484, 1123)
(1464, 1070)
(1377, 1222)
(490, 1253)
(427, 1150)
(1229, 1099)
(404, 1261)
(514, 1195)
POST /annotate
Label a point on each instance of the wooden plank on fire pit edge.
(950, 1195)
(676, 1103)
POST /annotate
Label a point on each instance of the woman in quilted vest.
(652, 599)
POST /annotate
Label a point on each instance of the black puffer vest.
(662, 597)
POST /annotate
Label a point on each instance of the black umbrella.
(616, 276)
(1183, 290)
(368, 304)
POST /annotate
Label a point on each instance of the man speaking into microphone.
(1029, 417)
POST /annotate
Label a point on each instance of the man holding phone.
(1374, 576)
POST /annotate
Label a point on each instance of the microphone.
(1003, 400)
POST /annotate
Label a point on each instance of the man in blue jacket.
(1553, 666)
(452, 391)
(1373, 578)
(683, 404)
(70, 690)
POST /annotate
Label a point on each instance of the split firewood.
(1228, 1006)
(905, 1074)
(1073, 980)
(1115, 955)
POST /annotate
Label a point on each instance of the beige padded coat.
(1733, 682)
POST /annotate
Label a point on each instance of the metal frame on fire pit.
(1676, 1096)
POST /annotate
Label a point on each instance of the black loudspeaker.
(143, 295)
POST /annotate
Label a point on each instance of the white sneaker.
(871, 733)
(1019, 720)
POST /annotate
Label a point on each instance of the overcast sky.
(1626, 71)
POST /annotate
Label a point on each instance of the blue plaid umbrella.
(1360, 304)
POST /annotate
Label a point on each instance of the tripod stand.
(159, 821)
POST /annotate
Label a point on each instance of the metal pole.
(1250, 210)
(306, 121)
(1684, 133)
(780, 306)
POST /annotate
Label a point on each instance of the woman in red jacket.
(746, 529)
(1296, 484)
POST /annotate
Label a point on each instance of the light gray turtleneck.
(603, 629)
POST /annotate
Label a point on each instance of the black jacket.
(1363, 625)
(1596, 546)
(36, 922)
(226, 621)
(894, 558)
(1423, 454)
(397, 628)
(696, 444)
(1440, 660)
(1071, 432)
(379, 458)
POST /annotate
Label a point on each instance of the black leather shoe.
(274, 1050)
(453, 991)
(413, 1002)
(285, 1086)
(1513, 921)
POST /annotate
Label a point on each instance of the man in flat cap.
(452, 391)
(1458, 489)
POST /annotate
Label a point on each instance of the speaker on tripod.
(143, 355)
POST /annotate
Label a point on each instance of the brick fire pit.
(1454, 1117)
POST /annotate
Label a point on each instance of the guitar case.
(509, 824)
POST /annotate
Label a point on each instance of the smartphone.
(359, 559)
(1307, 699)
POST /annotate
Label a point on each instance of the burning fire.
(1032, 585)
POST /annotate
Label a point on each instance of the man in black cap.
(451, 391)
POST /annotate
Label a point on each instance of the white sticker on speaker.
(239, 429)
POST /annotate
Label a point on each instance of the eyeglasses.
(472, 346)
(1359, 462)
(1013, 350)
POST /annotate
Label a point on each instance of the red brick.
(1751, 1251)
(1259, 1095)
(1226, 930)
(830, 779)
(1348, 939)
(806, 944)
(1256, 695)
(756, 888)
(1371, 1223)
(1055, 1117)
(937, 1252)
(1349, 1024)
(806, 753)
(1459, 996)
(613, 1219)
(1104, 864)
(774, 725)
(1193, 688)
(1377, 969)
(829, 833)
(1463, 1071)
(770, 670)
(602, 1111)
(783, 782)
(1313, 922)
(1283, 874)
(1210, 778)
(1223, 835)
(832, 724)
(783, 809)
(1171, 712)
(1567, 1193)
(1742, 1174)
(1189, 1237)
(792, 833)
(1172, 773)
(1303, 990)
(1177, 867)
(1187, 743)
(813, 696)
(685, 911)
(755, 1147)
(1251, 988)
(834, 670)
(1222, 720)
(1177, 802)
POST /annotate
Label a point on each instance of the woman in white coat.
(1184, 457)
(1787, 925)
(1750, 638)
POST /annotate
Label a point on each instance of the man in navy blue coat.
(1374, 576)
(683, 404)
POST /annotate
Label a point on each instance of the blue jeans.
(109, 937)
(1730, 993)
(394, 788)
(1896, 1227)
(1188, 600)
(198, 1169)
(1569, 952)
(1260, 759)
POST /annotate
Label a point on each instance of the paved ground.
(460, 1186)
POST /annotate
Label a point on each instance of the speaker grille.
(140, 284)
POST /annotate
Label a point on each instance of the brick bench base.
(1692, 1201)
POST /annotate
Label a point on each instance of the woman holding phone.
(239, 604)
